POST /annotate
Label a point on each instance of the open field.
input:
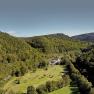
(66, 90)
(37, 78)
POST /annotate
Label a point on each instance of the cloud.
(70, 32)
(11, 32)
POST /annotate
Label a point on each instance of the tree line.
(49, 86)
(85, 87)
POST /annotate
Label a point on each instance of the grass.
(37, 78)
(66, 90)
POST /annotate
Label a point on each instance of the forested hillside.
(55, 43)
(14, 55)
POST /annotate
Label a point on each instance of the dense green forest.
(55, 43)
(15, 54)
(85, 63)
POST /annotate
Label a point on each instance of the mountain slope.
(15, 55)
(85, 37)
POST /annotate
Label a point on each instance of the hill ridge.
(85, 37)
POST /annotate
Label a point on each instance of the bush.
(42, 64)
(60, 83)
(31, 90)
(65, 80)
(51, 86)
(42, 89)
(17, 81)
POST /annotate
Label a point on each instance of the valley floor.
(66, 90)
(37, 78)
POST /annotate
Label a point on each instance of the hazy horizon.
(25, 18)
(45, 34)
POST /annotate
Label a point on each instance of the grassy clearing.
(66, 90)
(35, 79)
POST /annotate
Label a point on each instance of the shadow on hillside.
(74, 89)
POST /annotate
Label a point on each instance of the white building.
(55, 61)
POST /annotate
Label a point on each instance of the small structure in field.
(55, 61)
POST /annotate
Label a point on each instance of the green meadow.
(34, 78)
(65, 90)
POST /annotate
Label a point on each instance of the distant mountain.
(58, 35)
(85, 37)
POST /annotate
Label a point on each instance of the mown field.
(66, 90)
(34, 78)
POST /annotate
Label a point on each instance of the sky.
(24, 18)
